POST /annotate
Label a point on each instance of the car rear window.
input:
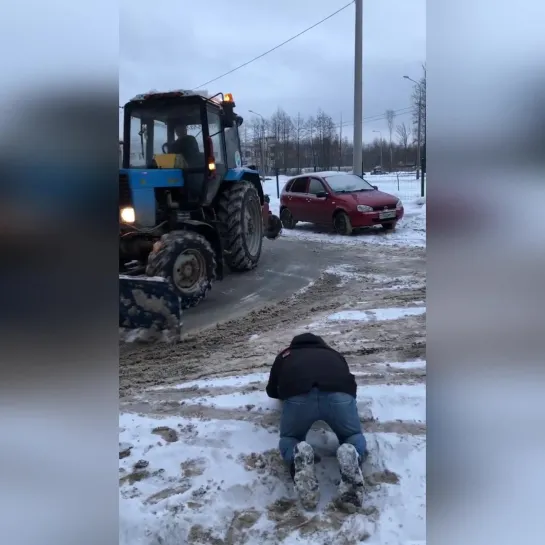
(299, 185)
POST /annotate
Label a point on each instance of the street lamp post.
(357, 165)
(380, 147)
(419, 129)
(262, 141)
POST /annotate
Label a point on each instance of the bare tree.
(315, 143)
(390, 119)
(298, 134)
(419, 115)
(404, 134)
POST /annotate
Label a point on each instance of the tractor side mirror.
(240, 120)
(321, 195)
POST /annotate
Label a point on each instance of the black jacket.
(309, 362)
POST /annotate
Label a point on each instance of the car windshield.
(157, 129)
(348, 183)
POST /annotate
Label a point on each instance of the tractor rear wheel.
(188, 262)
(241, 225)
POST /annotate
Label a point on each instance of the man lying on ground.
(314, 382)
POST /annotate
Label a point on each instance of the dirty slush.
(379, 276)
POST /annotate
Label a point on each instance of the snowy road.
(198, 436)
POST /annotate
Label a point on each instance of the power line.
(376, 117)
(274, 48)
(379, 117)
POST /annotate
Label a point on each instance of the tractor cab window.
(216, 135)
(138, 144)
(160, 131)
(232, 145)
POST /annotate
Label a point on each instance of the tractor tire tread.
(160, 262)
(228, 210)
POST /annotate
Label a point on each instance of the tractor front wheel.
(188, 262)
(241, 225)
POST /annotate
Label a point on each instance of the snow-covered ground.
(217, 477)
(199, 461)
(410, 231)
(201, 465)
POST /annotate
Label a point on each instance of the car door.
(318, 208)
(297, 198)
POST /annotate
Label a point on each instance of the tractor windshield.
(160, 131)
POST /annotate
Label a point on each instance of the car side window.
(299, 185)
(315, 186)
(288, 185)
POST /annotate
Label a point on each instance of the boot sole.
(351, 486)
(305, 481)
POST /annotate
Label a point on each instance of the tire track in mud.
(197, 402)
(268, 420)
(392, 376)
(225, 349)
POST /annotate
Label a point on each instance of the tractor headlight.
(127, 215)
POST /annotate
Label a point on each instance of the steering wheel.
(164, 147)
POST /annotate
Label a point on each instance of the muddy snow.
(203, 467)
(198, 436)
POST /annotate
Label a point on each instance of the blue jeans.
(337, 409)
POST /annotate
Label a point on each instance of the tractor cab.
(191, 138)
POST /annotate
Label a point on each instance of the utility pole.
(357, 165)
(419, 143)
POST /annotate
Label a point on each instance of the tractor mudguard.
(149, 309)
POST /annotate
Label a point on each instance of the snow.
(198, 483)
(410, 231)
(232, 380)
(185, 92)
(416, 364)
(208, 448)
(375, 314)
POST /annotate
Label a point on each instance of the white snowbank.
(375, 314)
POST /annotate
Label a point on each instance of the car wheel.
(389, 226)
(342, 223)
(287, 219)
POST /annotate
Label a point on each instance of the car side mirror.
(375, 187)
(321, 195)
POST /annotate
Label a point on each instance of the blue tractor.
(188, 209)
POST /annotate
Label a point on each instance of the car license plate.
(387, 215)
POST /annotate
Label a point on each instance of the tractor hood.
(138, 187)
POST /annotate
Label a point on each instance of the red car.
(345, 201)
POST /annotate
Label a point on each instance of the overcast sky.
(180, 44)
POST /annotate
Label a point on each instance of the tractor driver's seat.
(188, 146)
